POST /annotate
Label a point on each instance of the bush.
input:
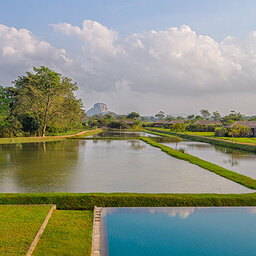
(118, 124)
(220, 132)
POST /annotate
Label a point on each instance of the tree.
(160, 115)
(48, 97)
(4, 106)
(190, 117)
(133, 115)
(216, 115)
(205, 113)
(232, 117)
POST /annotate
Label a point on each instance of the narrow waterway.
(238, 161)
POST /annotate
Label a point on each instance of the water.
(116, 133)
(170, 231)
(238, 161)
(103, 166)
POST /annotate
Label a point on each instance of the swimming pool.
(179, 231)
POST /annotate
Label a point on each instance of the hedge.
(83, 201)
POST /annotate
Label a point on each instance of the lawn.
(67, 233)
(206, 134)
(239, 140)
(18, 227)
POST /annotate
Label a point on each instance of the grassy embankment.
(67, 233)
(212, 140)
(87, 201)
(18, 140)
(18, 227)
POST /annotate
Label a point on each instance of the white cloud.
(20, 50)
(167, 67)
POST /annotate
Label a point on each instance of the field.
(18, 227)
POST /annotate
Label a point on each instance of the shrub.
(220, 132)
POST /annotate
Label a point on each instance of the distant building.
(176, 122)
(249, 124)
(160, 123)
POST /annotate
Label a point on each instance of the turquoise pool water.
(179, 231)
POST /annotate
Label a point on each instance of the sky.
(144, 55)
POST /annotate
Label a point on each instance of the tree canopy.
(46, 98)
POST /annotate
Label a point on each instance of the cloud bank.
(175, 70)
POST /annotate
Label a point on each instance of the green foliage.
(48, 98)
(201, 128)
(4, 106)
(118, 124)
(160, 115)
(133, 115)
(178, 127)
(83, 201)
(220, 132)
(238, 130)
(205, 113)
(232, 117)
(216, 115)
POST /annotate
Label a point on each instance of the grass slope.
(67, 233)
(236, 177)
(18, 227)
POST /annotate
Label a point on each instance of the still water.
(238, 161)
(171, 231)
(103, 166)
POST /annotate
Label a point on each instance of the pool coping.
(96, 232)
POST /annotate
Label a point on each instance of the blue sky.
(216, 18)
(130, 53)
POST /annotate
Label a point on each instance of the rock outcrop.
(98, 108)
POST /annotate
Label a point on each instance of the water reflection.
(103, 166)
(36, 167)
(235, 160)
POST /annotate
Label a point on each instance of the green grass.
(67, 233)
(18, 140)
(239, 140)
(236, 177)
(18, 227)
(87, 201)
(171, 138)
(205, 134)
(89, 133)
(29, 140)
(65, 133)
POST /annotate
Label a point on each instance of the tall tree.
(46, 96)
(133, 115)
(216, 115)
(160, 115)
(4, 106)
(205, 113)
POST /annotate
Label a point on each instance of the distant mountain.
(98, 108)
